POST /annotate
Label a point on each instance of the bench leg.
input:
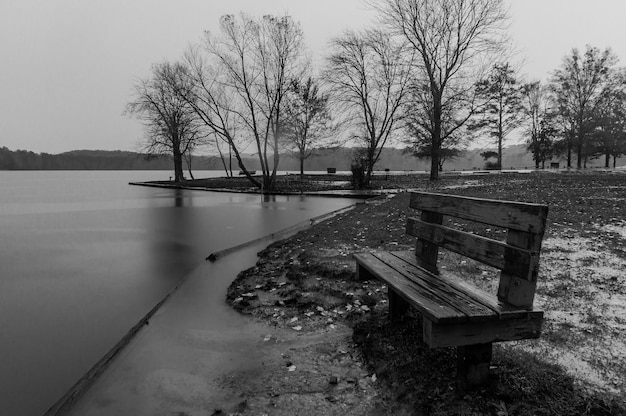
(363, 274)
(473, 363)
(398, 307)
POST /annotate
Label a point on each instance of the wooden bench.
(455, 313)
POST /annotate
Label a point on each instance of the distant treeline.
(339, 158)
(90, 160)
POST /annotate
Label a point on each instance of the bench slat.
(439, 288)
(425, 302)
(469, 333)
(515, 215)
(513, 260)
(436, 298)
(504, 310)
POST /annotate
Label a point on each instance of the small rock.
(291, 368)
(333, 380)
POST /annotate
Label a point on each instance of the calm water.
(83, 256)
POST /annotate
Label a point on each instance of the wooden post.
(363, 274)
(515, 290)
(473, 363)
(398, 307)
(426, 252)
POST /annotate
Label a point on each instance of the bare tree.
(450, 38)
(540, 121)
(500, 110)
(609, 136)
(308, 124)
(241, 78)
(368, 76)
(171, 125)
(419, 122)
(580, 86)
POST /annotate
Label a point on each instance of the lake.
(84, 256)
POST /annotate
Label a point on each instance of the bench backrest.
(517, 257)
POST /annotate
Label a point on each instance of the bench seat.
(455, 313)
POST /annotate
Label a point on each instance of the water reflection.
(269, 198)
(180, 197)
(170, 250)
(82, 264)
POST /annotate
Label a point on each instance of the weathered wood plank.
(398, 307)
(468, 333)
(473, 362)
(516, 291)
(514, 215)
(437, 290)
(511, 289)
(363, 274)
(427, 252)
(426, 303)
(503, 309)
(513, 260)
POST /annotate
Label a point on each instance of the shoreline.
(65, 404)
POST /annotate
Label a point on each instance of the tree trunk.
(217, 145)
(436, 138)
(189, 169)
(500, 143)
(178, 166)
(230, 159)
(187, 158)
(537, 156)
(579, 147)
(607, 160)
(301, 166)
(369, 163)
(434, 165)
(569, 153)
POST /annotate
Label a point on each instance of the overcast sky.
(67, 66)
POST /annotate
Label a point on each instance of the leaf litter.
(581, 288)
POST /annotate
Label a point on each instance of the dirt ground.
(356, 362)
